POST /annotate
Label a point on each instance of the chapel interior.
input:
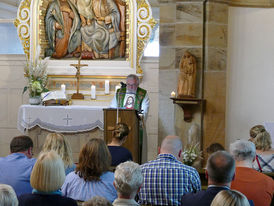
(233, 43)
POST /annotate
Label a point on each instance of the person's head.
(129, 100)
(230, 198)
(172, 145)
(262, 141)
(60, 145)
(132, 83)
(214, 147)
(128, 179)
(220, 168)
(243, 150)
(7, 196)
(94, 160)
(22, 144)
(97, 201)
(48, 173)
(120, 132)
(256, 130)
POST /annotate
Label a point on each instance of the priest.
(131, 96)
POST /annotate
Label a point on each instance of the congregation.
(53, 178)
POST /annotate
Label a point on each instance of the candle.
(106, 86)
(93, 92)
(63, 88)
(173, 94)
(117, 87)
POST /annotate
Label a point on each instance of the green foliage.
(191, 153)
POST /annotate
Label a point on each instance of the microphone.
(123, 85)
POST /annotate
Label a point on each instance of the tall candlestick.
(106, 86)
(93, 92)
(63, 88)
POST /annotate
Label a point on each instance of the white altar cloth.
(67, 119)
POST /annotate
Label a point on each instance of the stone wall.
(201, 29)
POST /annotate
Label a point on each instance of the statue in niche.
(187, 76)
(63, 23)
(100, 28)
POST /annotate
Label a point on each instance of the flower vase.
(35, 100)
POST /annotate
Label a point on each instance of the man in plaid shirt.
(166, 179)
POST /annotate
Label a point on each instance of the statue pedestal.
(188, 104)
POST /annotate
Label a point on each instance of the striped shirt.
(166, 180)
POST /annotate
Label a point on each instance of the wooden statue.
(187, 76)
(62, 29)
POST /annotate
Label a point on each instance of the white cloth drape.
(68, 119)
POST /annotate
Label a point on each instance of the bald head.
(171, 145)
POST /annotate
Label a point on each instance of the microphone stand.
(123, 85)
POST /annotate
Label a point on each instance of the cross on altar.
(78, 95)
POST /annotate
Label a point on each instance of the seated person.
(60, 145)
(265, 154)
(47, 177)
(230, 198)
(214, 147)
(220, 170)
(91, 177)
(118, 153)
(15, 169)
(97, 201)
(253, 184)
(7, 196)
(128, 179)
(182, 179)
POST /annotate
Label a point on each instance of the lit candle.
(93, 92)
(106, 86)
(117, 87)
(173, 94)
(63, 88)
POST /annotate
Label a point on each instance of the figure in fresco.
(63, 29)
(187, 76)
(100, 28)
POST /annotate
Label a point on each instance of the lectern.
(129, 117)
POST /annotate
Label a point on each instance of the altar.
(77, 123)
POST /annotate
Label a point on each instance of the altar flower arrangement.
(36, 73)
(191, 153)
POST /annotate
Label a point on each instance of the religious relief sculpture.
(62, 29)
(90, 28)
(187, 76)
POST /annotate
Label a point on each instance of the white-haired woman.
(128, 179)
(7, 196)
(47, 177)
(59, 143)
(265, 154)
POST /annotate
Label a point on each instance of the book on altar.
(53, 95)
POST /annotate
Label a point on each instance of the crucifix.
(78, 95)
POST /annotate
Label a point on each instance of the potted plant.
(191, 154)
(36, 74)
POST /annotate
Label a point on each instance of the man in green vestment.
(134, 97)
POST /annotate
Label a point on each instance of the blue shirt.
(166, 180)
(77, 188)
(15, 170)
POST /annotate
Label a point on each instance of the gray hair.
(128, 178)
(7, 196)
(172, 144)
(97, 201)
(243, 150)
(221, 167)
(135, 77)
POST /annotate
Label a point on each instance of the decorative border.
(139, 22)
(22, 22)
